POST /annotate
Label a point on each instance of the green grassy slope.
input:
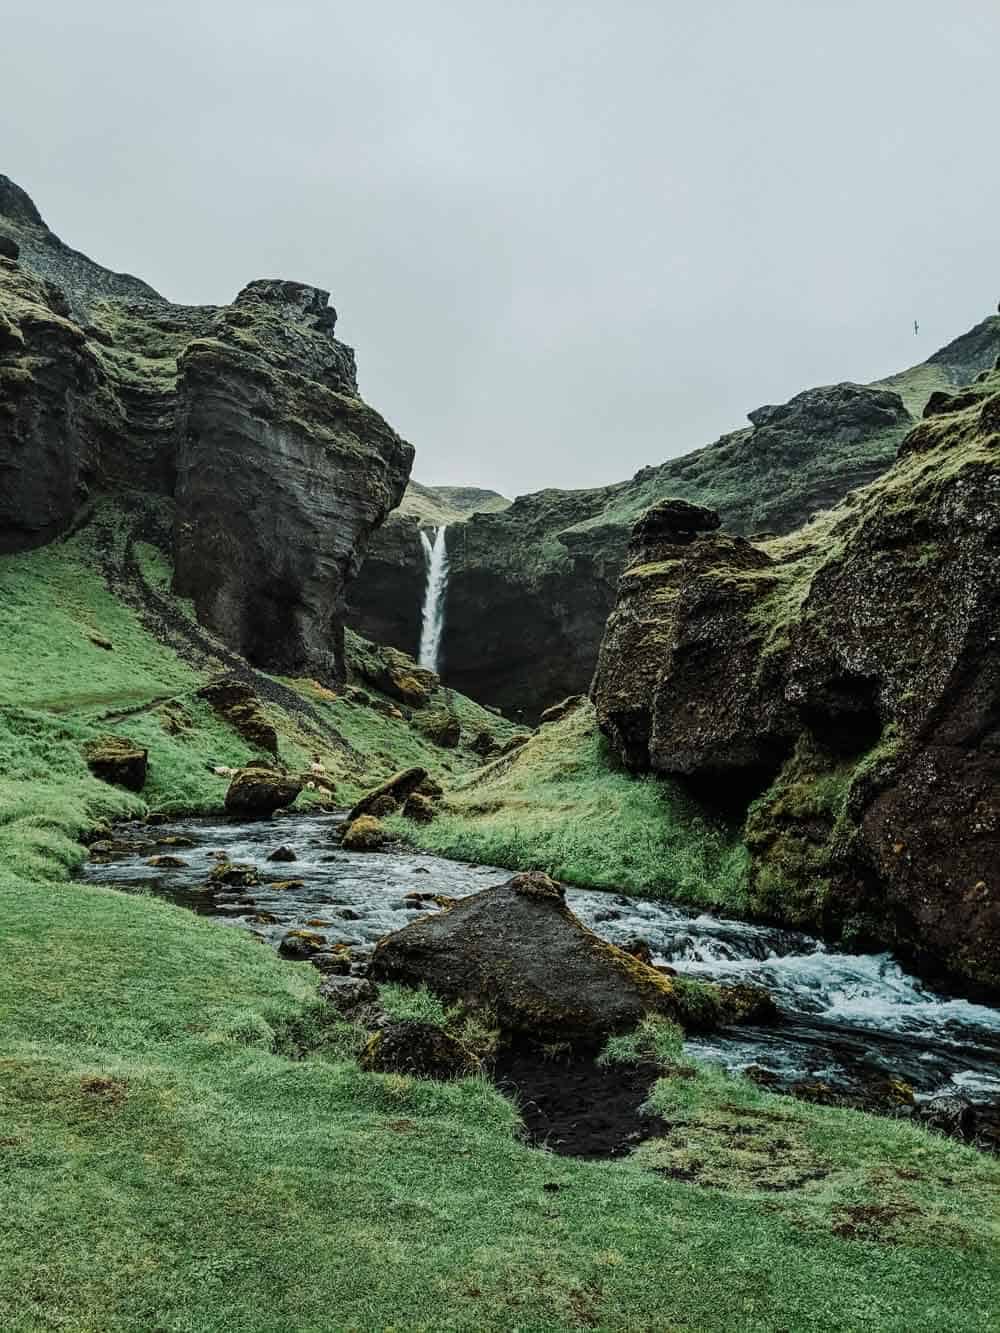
(187, 1145)
(558, 804)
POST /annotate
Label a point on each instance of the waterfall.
(432, 621)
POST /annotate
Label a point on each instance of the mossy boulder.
(562, 709)
(419, 808)
(519, 951)
(117, 760)
(398, 788)
(301, 944)
(364, 834)
(237, 703)
(441, 727)
(259, 791)
(234, 874)
(419, 1050)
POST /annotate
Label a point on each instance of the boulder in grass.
(419, 808)
(420, 1050)
(118, 760)
(397, 788)
(518, 949)
(259, 791)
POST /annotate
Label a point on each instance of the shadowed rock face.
(247, 415)
(530, 588)
(849, 677)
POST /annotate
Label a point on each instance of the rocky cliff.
(531, 587)
(839, 690)
(248, 416)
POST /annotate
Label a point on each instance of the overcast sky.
(567, 240)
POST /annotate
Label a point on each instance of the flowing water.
(849, 1019)
(432, 622)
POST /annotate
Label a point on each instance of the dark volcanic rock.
(519, 949)
(283, 474)
(850, 676)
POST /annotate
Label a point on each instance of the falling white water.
(432, 622)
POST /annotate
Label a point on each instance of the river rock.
(346, 993)
(258, 791)
(117, 760)
(364, 834)
(519, 949)
(282, 853)
(398, 788)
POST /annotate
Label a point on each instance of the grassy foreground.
(187, 1145)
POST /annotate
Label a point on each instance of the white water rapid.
(432, 623)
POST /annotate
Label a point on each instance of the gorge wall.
(839, 690)
(248, 416)
(531, 585)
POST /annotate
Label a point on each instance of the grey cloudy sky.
(567, 240)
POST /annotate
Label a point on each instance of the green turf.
(188, 1146)
(556, 804)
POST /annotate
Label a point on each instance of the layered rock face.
(841, 686)
(247, 415)
(530, 588)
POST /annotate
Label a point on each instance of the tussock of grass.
(557, 805)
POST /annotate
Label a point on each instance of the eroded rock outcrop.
(848, 678)
(247, 416)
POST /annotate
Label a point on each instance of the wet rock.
(167, 862)
(519, 949)
(175, 840)
(364, 834)
(349, 914)
(333, 962)
(282, 853)
(399, 787)
(419, 808)
(301, 945)
(748, 1004)
(117, 760)
(638, 948)
(419, 1050)
(346, 993)
(258, 791)
(234, 873)
(951, 1114)
(285, 885)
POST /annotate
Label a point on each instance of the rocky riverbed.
(853, 1026)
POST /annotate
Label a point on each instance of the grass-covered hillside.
(187, 1143)
(93, 644)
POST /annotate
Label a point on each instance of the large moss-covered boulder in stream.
(841, 685)
(519, 950)
(259, 791)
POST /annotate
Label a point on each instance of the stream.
(850, 1021)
